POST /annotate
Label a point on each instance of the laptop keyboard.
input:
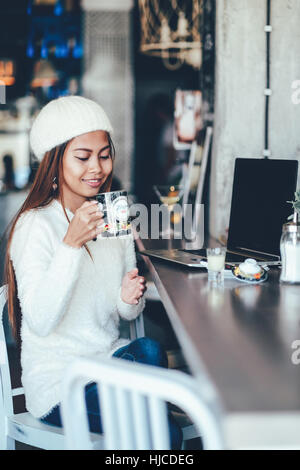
(233, 257)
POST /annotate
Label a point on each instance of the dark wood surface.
(241, 336)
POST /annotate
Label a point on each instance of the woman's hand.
(85, 224)
(133, 287)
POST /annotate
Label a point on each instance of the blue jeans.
(142, 350)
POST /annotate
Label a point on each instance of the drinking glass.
(216, 263)
(169, 195)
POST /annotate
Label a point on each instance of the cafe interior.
(204, 100)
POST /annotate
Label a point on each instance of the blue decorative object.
(55, 35)
(58, 9)
(64, 50)
(44, 50)
(57, 51)
(30, 50)
(29, 7)
(77, 51)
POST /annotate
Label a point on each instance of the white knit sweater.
(70, 305)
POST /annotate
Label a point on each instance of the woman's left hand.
(133, 287)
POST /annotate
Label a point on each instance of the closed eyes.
(89, 151)
(103, 157)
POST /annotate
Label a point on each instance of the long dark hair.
(41, 194)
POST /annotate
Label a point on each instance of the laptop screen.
(259, 207)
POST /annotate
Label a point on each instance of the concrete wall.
(108, 74)
(240, 84)
(285, 68)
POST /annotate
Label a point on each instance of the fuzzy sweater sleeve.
(45, 272)
(127, 311)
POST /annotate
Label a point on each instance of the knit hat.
(63, 119)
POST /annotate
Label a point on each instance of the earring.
(54, 185)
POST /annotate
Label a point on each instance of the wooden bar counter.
(240, 339)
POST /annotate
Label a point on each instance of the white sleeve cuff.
(128, 311)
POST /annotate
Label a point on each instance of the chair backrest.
(6, 391)
(133, 405)
(6, 400)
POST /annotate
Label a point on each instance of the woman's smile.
(94, 183)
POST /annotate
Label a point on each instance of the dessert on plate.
(249, 269)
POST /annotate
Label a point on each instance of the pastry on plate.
(249, 270)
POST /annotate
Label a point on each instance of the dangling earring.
(54, 185)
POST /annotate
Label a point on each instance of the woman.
(66, 291)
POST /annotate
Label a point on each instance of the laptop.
(259, 208)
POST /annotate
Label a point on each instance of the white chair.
(23, 427)
(133, 405)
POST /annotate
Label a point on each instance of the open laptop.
(259, 208)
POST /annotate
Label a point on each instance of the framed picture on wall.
(187, 118)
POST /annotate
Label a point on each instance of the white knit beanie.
(63, 119)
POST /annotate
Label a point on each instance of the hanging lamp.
(170, 29)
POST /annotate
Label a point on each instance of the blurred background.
(98, 49)
(132, 56)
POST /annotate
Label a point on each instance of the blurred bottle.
(290, 252)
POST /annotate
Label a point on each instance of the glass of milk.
(290, 252)
(216, 263)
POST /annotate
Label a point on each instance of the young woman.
(67, 292)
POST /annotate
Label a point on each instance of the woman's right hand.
(85, 225)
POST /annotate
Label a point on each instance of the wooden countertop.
(240, 337)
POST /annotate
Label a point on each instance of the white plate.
(263, 278)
